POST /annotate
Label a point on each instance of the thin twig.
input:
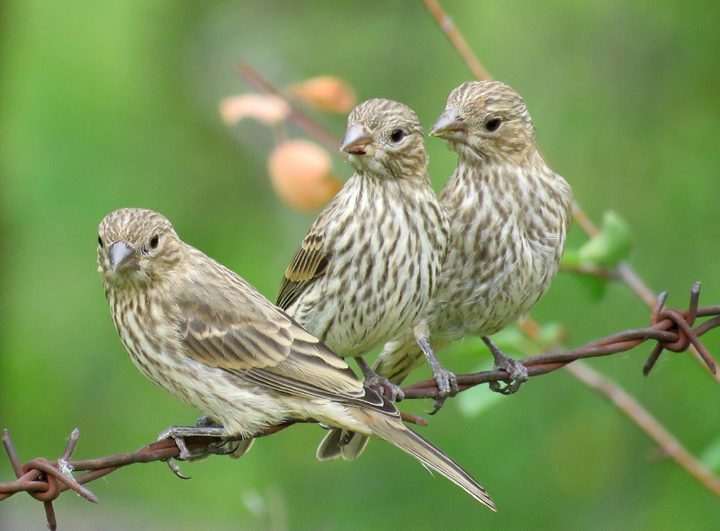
(457, 40)
(640, 416)
(300, 118)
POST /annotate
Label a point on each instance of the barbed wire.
(670, 328)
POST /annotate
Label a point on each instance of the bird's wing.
(229, 325)
(309, 263)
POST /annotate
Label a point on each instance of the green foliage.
(611, 246)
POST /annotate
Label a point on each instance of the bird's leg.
(517, 371)
(446, 381)
(379, 383)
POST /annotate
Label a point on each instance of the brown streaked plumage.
(208, 337)
(370, 262)
(509, 216)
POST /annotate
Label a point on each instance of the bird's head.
(487, 120)
(385, 138)
(136, 246)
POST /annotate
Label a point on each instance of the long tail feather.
(394, 431)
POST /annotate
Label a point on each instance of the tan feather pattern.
(310, 262)
(370, 262)
(264, 344)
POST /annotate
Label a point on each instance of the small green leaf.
(570, 257)
(552, 333)
(513, 342)
(473, 402)
(594, 286)
(611, 246)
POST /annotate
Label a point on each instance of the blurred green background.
(112, 104)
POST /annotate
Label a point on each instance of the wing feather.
(229, 325)
(309, 263)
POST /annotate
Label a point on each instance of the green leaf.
(473, 402)
(595, 287)
(611, 246)
(570, 257)
(552, 333)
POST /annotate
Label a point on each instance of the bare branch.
(457, 40)
(300, 118)
(632, 408)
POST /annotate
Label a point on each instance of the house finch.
(370, 263)
(509, 216)
(205, 335)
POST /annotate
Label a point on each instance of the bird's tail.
(395, 362)
(395, 432)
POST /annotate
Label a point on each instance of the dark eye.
(493, 124)
(100, 242)
(154, 241)
(397, 135)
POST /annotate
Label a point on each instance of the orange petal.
(300, 172)
(327, 93)
(266, 109)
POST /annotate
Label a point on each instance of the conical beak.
(122, 256)
(449, 126)
(357, 140)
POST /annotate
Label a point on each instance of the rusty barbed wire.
(672, 329)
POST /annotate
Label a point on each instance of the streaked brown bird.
(370, 262)
(205, 335)
(509, 215)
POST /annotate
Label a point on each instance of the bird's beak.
(449, 126)
(122, 256)
(357, 140)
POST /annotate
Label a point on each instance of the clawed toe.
(517, 371)
(385, 387)
(175, 469)
(179, 440)
(179, 433)
(447, 386)
(518, 375)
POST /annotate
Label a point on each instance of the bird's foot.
(233, 448)
(380, 384)
(447, 386)
(179, 434)
(517, 371)
(385, 387)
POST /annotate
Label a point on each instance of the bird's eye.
(397, 135)
(154, 241)
(493, 124)
(100, 242)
